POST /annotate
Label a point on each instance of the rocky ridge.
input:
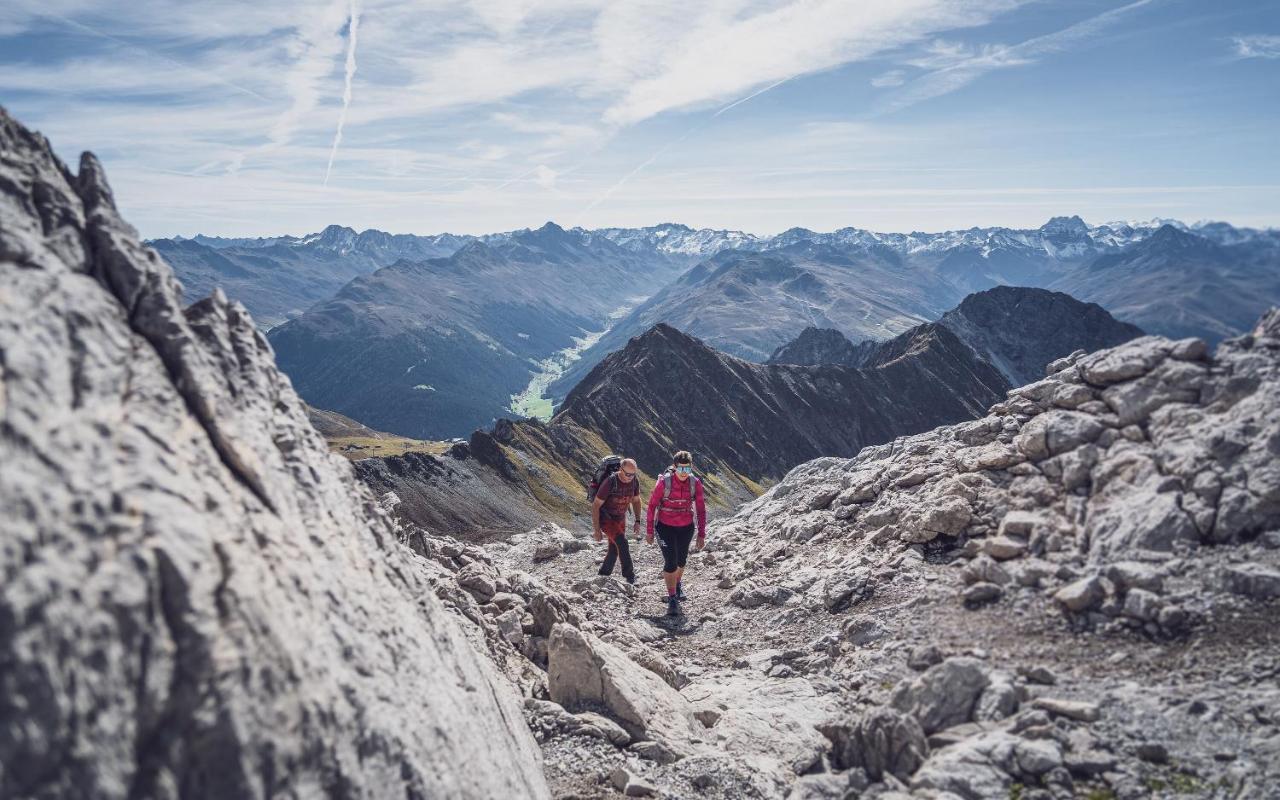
(503, 477)
(1016, 329)
(756, 421)
(198, 599)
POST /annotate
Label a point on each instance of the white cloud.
(475, 110)
(545, 176)
(313, 47)
(894, 77)
(955, 66)
(729, 49)
(1257, 46)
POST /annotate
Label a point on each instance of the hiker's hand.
(649, 538)
(636, 529)
(702, 542)
(597, 535)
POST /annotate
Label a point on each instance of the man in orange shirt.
(616, 494)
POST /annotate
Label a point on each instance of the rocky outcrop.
(198, 599)
(586, 673)
(1116, 520)
(1139, 453)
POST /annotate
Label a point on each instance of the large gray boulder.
(945, 695)
(587, 674)
(883, 742)
(196, 598)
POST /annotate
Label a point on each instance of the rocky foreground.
(1074, 596)
(196, 598)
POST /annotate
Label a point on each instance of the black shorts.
(675, 544)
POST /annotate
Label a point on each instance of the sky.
(251, 118)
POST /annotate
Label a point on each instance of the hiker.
(617, 491)
(676, 496)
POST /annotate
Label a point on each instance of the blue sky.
(480, 115)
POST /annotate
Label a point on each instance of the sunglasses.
(684, 470)
(631, 474)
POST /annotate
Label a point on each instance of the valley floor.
(532, 402)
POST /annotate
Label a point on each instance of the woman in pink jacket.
(677, 494)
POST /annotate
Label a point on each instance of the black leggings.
(675, 545)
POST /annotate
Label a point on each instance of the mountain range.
(872, 286)
(431, 348)
(747, 424)
(432, 336)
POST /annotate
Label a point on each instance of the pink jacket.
(679, 508)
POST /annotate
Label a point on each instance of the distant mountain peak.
(1169, 236)
(663, 335)
(821, 346)
(1020, 329)
(1072, 225)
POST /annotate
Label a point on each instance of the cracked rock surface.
(196, 598)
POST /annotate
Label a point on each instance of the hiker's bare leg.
(671, 579)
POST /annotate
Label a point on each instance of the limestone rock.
(756, 596)
(982, 593)
(199, 599)
(585, 673)
(976, 768)
(1081, 595)
(1003, 548)
(1252, 580)
(945, 694)
(842, 591)
(882, 742)
(1072, 709)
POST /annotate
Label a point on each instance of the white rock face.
(198, 600)
(584, 672)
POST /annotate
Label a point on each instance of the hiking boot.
(680, 591)
(632, 580)
(673, 606)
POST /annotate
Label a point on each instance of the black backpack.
(608, 465)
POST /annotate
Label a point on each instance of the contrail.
(352, 32)
(753, 95)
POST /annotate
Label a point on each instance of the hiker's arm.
(701, 504)
(652, 510)
(595, 517)
(635, 508)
